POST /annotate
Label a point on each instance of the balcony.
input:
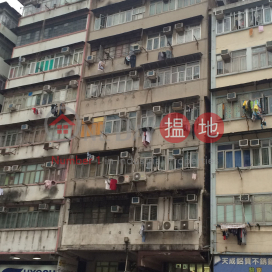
(36, 151)
(51, 9)
(28, 115)
(7, 33)
(164, 180)
(111, 237)
(52, 43)
(32, 192)
(72, 70)
(29, 240)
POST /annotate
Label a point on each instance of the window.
(261, 57)
(231, 156)
(149, 211)
(119, 18)
(175, 74)
(158, 40)
(186, 3)
(118, 50)
(157, 7)
(98, 212)
(237, 63)
(113, 86)
(10, 138)
(173, 162)
(231, 210)
(114, 124)
(54, 134)
(190, 158)
(237, 20)
(183, 210)
(29, 217)
(31, 174)
(28, 38)
(190, 34)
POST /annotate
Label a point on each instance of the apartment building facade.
(8, 20)
(135, 201)
(241, 160)
(36, 124)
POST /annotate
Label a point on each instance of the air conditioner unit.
(123, 115)
(43, 207)
(87, 119)
(152, 225)
(65, 50)
(177, 152)
(133, 74)
(225, 55)
(90, 59)
(139, 176)
(116, 209)
(184, 225)
(25, 127)
(157, 110)
(167, 30)
(3, 209)
(191, 198)
(7, 151)
(123, 179)
(7, 169)
(12, 107)
(168, 225)
(255, 143)
(219, 15)
(136, 200)
(243, 143)
(124, 155)
(47, 88)
(48, 146)
(157, 151)
(245, 198)
(92, 158)
(231, 97)
(73, 84)
(136, 48)
(177, 105)
(16, 168)
(179, 27)
(269, 45)
(49, 165)
(23, 61)
(221, 3)
(151, 75)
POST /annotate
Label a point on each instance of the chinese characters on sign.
(246, 261)
(208, 127)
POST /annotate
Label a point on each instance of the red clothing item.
(113, 184)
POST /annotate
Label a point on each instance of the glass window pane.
(248, 213)
(220, 160)
(153, 213)
(256, 157)
(268, 212)
(265, 156)
(238, 158)
(258, 213)
(238, 213)
(229, 213)
(246, 155)
(192, 211)
(220, 214)
(229, 159)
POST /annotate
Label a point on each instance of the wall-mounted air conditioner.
(157, 151)
(177, 152)
(225, 55)
(158, 110)
(245, 198)
(136, 48)
(25, 127)
(124, 179)
(73, 84)
(7, 169)
(87, 119)
(22, 61)
(66, 50)
(231, 97)
(47, 88)
(177, 105)
(122, 114)
(139, 176)
(12, 107)
(91, 59)
(243, 143)
(167, 30)
(219, 15)
(48, 146)
(7, 151)
(124, 155)
(168, 225)
(152, 225)
(133, 74)
(255, 143)
(191, 198)
(3, 209)
(49, 165)
(179, 27)
(136, 200)
(16, 168)
(116, 209)
(151, 75)
(43, 207)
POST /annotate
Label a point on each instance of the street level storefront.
(242, 263)
(27, 268)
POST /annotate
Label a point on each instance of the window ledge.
(21, 185)
(243, 72)
(30, 229)
(245, 168)
(110, 95)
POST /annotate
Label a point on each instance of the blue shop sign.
(248, 263)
